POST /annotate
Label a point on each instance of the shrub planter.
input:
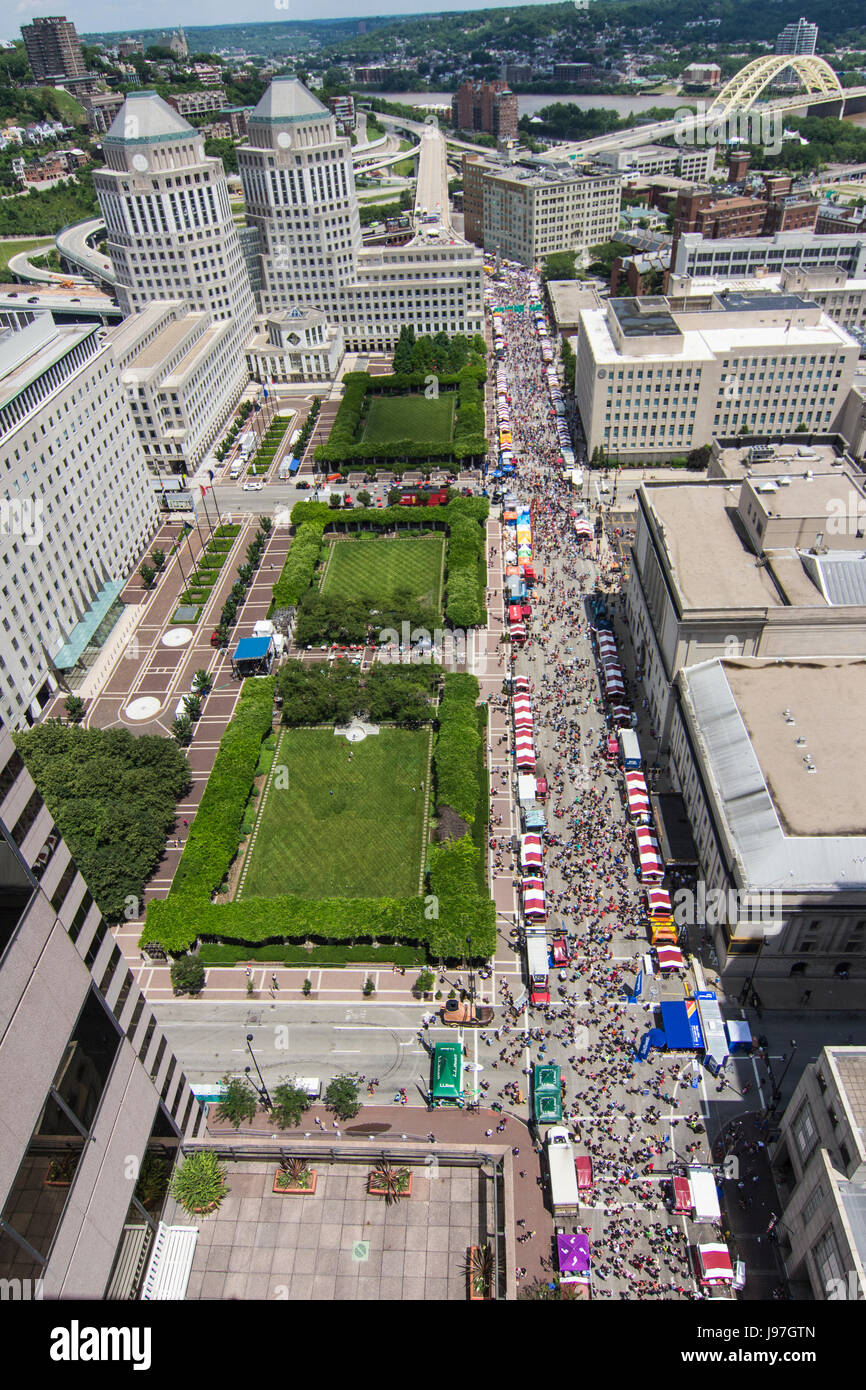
(374, 1191)
(286, 1191)
(478, 1273)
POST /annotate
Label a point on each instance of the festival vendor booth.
(534, 902)
(560, 950)
(531, 853)
(681, 1025)
(582, 529)
(517, 633)
(524, 751)
(680, 1197)
(521, 685)
(621, 716)
(534, 819)
(637, 798)
(651, 867)
(713, 1265)
(575, 1263)
(669, 958)
(583, 1167)
(253, 656)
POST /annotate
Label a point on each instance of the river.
(528, 105)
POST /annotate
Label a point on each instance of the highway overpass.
(74, 249)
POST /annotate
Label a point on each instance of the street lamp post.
(266, 1100)
(777, 1087)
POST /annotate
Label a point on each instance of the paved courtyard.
(338, 1243)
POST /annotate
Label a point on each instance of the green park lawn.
(8, 249)
(334, 827)
(391, 419)
(381, 569)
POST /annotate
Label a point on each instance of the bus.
(446, 1075)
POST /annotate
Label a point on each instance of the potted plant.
(199, 1184)
(479, 1272)
(389, 1182)
(153, 1178)
(307, 988)
(369, 986)
(61, 1170)
(295, 1177)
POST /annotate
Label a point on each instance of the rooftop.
(145, 116)
(287, 99)
(789, 829)
(646, 317)
(711, 566)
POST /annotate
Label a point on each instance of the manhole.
(361, 1251)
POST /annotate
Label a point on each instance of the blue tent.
(682, 1025)
(252, 655)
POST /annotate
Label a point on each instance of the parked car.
(302, 486)
(253, 485)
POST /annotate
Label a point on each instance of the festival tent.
(534, 904)
(651, 866)
(531, 852)
(714, 1264)
(670, 958)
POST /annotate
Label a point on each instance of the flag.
(265, 392)
(205, 487)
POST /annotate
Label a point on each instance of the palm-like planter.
(61, 1170)
(199, 1184)
(294, 1176)
(390, 1183)
(479, 1271)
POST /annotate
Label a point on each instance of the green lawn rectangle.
(391, 419)
(380, 569)
(339, 827)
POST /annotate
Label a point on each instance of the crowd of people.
(590, 880)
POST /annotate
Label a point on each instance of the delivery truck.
(629, 749)
(562, 1173)
(526, 789)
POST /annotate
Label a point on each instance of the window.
(805, 1133)
(813, 1202)
(827, 1258)
(84, 1070)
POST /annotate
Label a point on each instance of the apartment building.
(180, 376)
(101, 110)
(702, 74)
(486, 106)
(198, 103)
(644, 160)
(651, 383)
(841, 298)
(804, 250)
(572, 72)
(764, 560)
(819, 1167)
(170, 232)
(526, 212)
(76, 509)
(92, 1089)
(761, 752)
(53, 49)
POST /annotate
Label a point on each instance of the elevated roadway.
(73, 246)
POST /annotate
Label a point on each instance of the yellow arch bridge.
(751, 82)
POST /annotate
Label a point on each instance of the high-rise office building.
(486, 106)
(77, 510)
(53, 48)
(91, 1090)
(299, 189)
(169, 227)
(300, 196)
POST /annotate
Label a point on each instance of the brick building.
(487, 106)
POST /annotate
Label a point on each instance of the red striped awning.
(651, 866)
(531, 852)
(534, 904)
(659, 901)
(670, 958)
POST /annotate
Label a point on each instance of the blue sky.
(107, 15)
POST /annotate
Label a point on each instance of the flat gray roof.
(826, 699)
(788, 829)
(711, 566)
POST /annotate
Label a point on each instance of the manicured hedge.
(346, 451)
(455, 751)
(177, 921)
(464, 602)
(300, 566)
(213, 838)
(222, 954)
